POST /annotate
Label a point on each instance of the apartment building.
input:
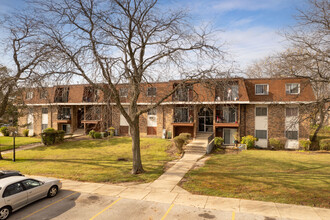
(265, 108)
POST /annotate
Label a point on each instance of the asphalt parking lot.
(75, 205)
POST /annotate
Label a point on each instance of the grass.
(6, 143)
(324, 133)
(93, 160)
(277, 176)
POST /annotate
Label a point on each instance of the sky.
(250, 28)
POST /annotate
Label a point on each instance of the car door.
(15, 195)
(35, 189)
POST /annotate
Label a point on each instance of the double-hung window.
(292, 88)
(261, 89)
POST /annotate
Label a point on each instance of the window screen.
(261, 111)
(261, 134)
(292, 135)
(151, 92)
(262, 89)
(291, 112)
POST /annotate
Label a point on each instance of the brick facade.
(203, 96)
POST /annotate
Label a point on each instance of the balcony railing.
(63, 117)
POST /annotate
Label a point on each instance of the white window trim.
(255, 89)
(288, 91)
(285, 129)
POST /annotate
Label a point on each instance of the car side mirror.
(41, 182)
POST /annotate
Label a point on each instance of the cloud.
(242, 22)
(252, 44)
(247, 5)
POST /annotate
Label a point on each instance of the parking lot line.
(233, 216)
(105, 209)
(48, 206)
(168, 211)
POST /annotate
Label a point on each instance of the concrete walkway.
(165, 190)
(168, 181)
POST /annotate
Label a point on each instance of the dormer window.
(151, 92)
(123, 92)
(90, 94)
(261, 89)
(226, 91)
(61, 94)
(292, 88)
(43, 94)
(29, 95)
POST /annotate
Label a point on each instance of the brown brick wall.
(276, 121)
(250, 120)
(304, 124)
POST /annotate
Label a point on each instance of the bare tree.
(22, 42)
(127, 41)
(308, 57)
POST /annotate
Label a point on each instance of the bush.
(186, 135)
(60, 136)
(4, 131)
(325, 144)
(218, 141)
(249, 141)
(91, 134)
(26, 132)
(51, 136)
(179, 142)
(305, 144)
(111, 132)
(277, 143)
(97, 135)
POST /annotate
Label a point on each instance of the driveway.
(75, 205)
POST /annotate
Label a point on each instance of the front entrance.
(205, 120)
(80, 117)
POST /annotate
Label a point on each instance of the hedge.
(51, 136)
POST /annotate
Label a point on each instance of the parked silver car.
(18, 191)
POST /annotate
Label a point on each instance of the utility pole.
(14, 135)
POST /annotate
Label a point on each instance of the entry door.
(205, 120)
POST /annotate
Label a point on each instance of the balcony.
(227, 92)
(64, 118)
(90, 94)
(183, 94)
(61, 95)
(226, 116)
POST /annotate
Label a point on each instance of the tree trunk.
(135, 133)
(321, 110)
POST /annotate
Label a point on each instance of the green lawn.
(93, 160)
(6, 143)
(301, 178)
